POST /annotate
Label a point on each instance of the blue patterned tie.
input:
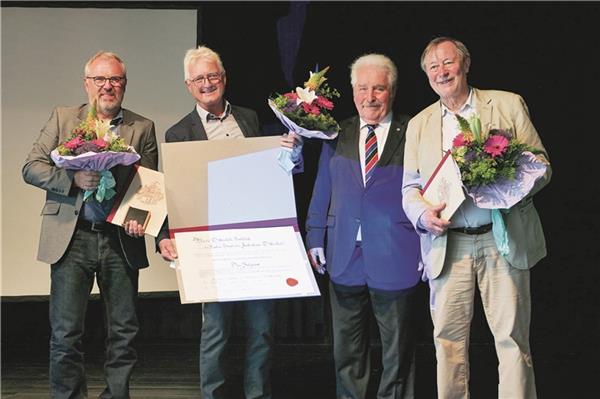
(371, 156)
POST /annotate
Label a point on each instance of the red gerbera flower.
(74, 143)
(496, 145)
(460, 140)
(324, 103)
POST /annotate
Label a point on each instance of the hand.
(167, 249)
(317, 259)
(291, 140)
(134, 229)
(86, 179)
(430, 220)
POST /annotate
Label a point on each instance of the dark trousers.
(393, 312)
(216, 326)
(92, 255)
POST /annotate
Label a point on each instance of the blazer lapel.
(392, 142)
(484, 108)
(196, 126)
(432, 150)
(126, 128)
(246, 131)
(352, 134)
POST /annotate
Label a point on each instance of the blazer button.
(76, 212)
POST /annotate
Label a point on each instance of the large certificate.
(232, 215)
(445, 185)
(242, 264)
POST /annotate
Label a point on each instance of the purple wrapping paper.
(506, 193)
(96, 161)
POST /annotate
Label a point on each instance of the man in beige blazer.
(80, 245)
(460, 253)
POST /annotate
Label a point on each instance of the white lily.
(305, 95)
(103, 130)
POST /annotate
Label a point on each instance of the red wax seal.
(291, 282)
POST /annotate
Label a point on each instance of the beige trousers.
(505, 294)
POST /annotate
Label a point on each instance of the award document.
(144, 201)
(445, 185)
(232, 215)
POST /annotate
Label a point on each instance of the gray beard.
(106, 109)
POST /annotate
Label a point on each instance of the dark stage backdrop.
(547, 52)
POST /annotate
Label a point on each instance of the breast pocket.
(51, 208)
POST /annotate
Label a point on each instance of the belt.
(96, 227)
(473, 230)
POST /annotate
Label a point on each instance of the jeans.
(216, 326)
(90, 255)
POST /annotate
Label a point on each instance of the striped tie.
(371, 156)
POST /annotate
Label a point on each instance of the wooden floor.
(300, 371)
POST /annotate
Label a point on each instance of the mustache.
(372, 104)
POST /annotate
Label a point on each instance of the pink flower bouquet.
(496, 169)
(306, 111)
(92, 146)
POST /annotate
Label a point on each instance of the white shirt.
(467, 215)
(226, 127)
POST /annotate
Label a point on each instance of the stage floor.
(300, 371)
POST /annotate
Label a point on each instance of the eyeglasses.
(211, 78)
(99, 81)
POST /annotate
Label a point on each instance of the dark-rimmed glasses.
(211, 78)
(99, 81)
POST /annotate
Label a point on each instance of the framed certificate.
(445, 185)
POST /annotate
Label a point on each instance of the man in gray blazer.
(460, 253)
(214, 118)
(80, 245)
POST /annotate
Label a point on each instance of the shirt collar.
(385, 122)
(118, 119)
(466, 106)
(204, 113)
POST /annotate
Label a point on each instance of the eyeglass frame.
(217, 77)
(114, 81)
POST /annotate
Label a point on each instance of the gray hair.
(202, 52)
(105, 55)
(379, 61)
(465, 56)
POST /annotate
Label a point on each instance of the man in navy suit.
(372, 249)
(214, 118)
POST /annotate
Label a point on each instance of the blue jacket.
(341, 203)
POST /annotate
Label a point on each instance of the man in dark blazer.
(214, 118)
(372, 250)
(80, 245)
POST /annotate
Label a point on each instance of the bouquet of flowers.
(92, 146)
(496, 169)
(306, 111)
